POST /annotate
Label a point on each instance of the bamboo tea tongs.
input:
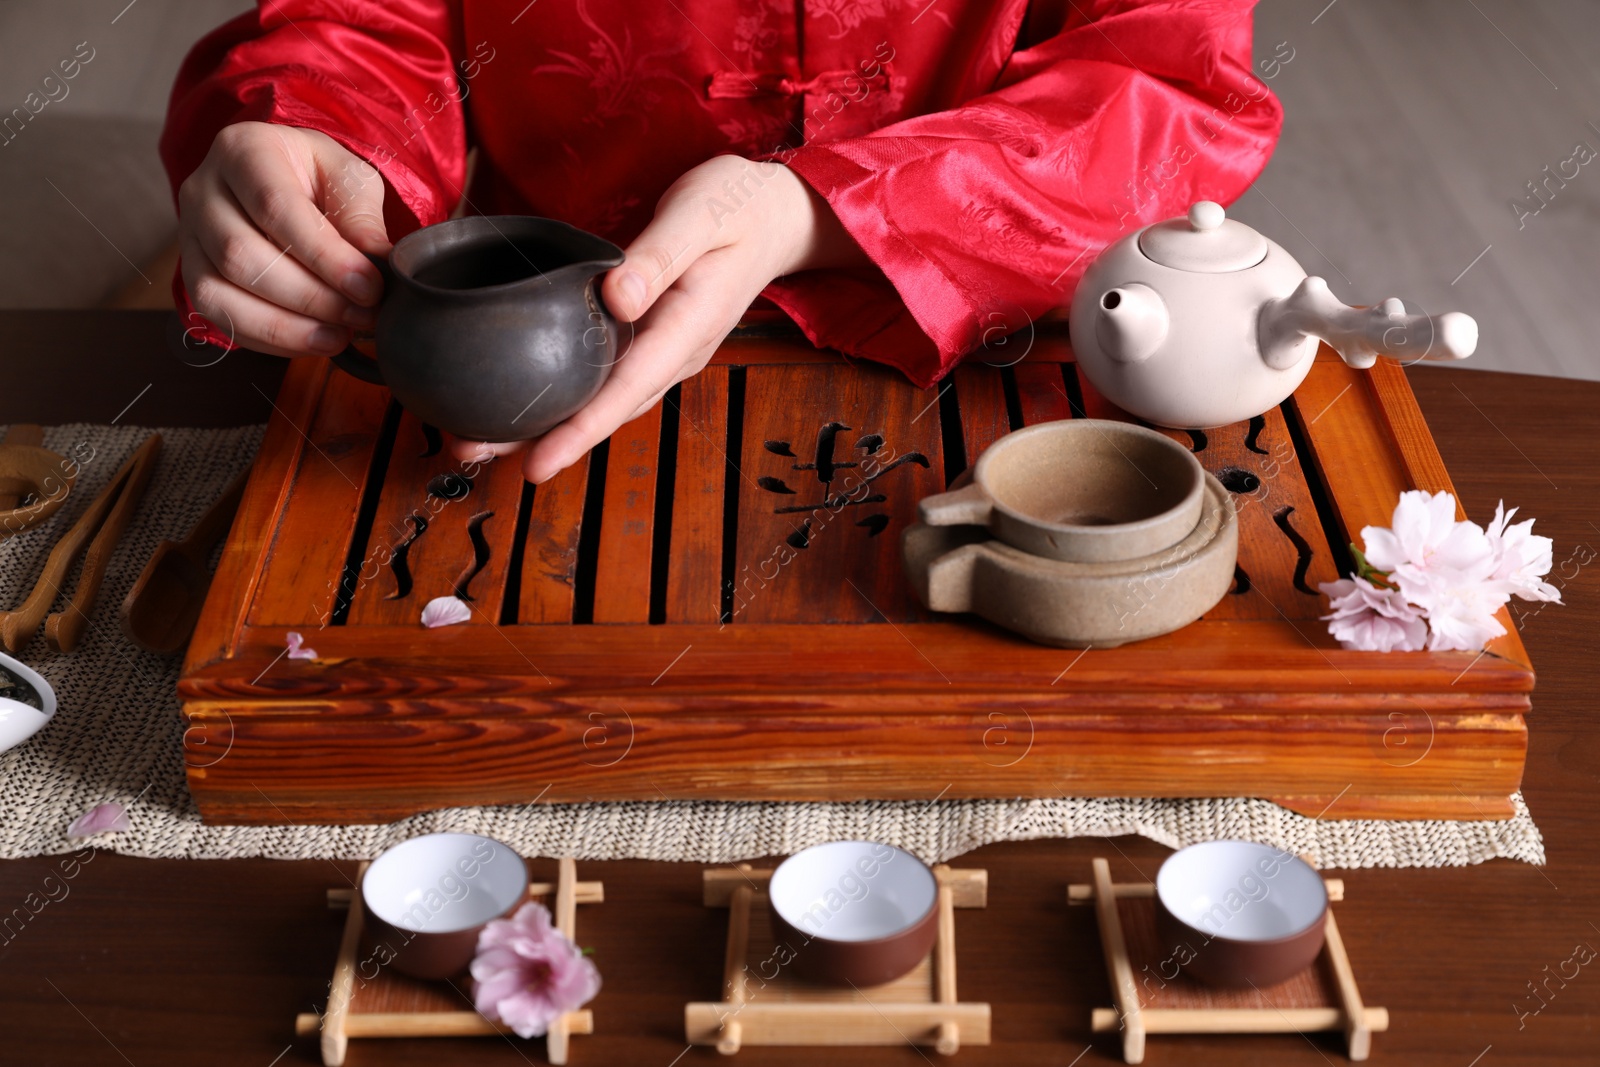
(99, 527)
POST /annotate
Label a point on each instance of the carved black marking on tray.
(825, 464)
(1197, 440)
(1257, 424)
(451, 486)
(1241, 580)
(1281, 517)
(875, 524)
(480, 553)
(1238, 480)
(433, 439)
(398, 563)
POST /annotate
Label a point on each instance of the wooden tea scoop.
(23, 433)
(101, 523)
(161, 609)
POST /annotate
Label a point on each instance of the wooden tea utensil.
(99, 527)
(23, 433)
(161, 609)
(27, 468)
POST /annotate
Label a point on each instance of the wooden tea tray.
(712, 605)
(762, 1004)
(367, 999)
(1322, 997)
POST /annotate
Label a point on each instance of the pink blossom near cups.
(1429, 580)
(529, 974)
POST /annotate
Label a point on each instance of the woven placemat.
(117, 736)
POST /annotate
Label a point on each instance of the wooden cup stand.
(1323, 997)
(920, 1007)
(391, 1004)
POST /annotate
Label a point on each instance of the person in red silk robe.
(906, 181)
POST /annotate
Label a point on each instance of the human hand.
(720, 234)
(271, 229)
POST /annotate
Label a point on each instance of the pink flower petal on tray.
(106, 818)
(445, 611)
(297, 647)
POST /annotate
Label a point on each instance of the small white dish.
(1239, 913)
(854, 912)
(21, 718)
(426, 899)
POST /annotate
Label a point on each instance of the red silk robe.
(979, 152)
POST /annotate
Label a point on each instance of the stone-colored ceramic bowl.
(1083, 490)
(1239, 914)
(427, 898)
(963, 568)
(854, 912)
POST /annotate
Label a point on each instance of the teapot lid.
(1205, 241)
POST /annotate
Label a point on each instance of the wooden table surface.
(175, 962)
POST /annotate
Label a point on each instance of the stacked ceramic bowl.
(1080, 532)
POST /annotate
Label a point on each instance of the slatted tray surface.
(712, 604)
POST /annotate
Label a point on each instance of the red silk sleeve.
(378, 77)
(983, 217)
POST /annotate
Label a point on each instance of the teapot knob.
(1206, 215)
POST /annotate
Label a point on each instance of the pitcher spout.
(1131, 322)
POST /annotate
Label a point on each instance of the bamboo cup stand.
(390, 1004)
(1323, 997)
(763, 1005)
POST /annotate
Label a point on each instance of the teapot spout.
(1131, 322)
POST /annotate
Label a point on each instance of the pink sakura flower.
(297, 647)
(1453, 574)
(1461, 618)
(529, 974)
(1369, 619)
(1522, 557)
(1426, 544)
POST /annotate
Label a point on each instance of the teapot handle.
(1359, 335)
(352, 361)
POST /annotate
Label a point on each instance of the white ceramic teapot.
(1200, 321)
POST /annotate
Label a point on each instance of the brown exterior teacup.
(854, 912)
(426, 900)
(1238, 914)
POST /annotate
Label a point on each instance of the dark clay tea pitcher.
(491, 326)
